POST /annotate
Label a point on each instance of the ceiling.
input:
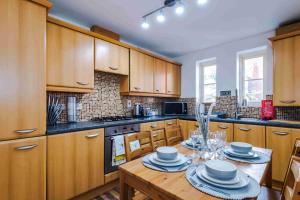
(217, 22)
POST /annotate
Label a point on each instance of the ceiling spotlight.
(202, 2)
(145, 24)
(179, 8)
(160, 17)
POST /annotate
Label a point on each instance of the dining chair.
(143, 139)
(173, 135)
(296, 149)
(158, 138)
(291, 187)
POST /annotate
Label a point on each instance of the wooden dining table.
(174, 186)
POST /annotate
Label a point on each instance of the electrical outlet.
(128, 103)
(79, 106)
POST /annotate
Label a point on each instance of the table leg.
(126, 192)
(269, 175)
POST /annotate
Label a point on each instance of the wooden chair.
(158, 138)
(296, 149)
(144, 139)
(173, 135)
(291, 187)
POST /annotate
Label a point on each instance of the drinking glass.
(194, 139)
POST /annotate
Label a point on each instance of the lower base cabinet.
(23, 169)
(253, 134)
(220, 126)
(281, 141)
(75, 163)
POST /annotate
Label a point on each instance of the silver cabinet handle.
(245, 129)
(137, 88)
(153, 125)
(169, 123)
(26, 147)
(280, 133)
(288, 102)
(92, 136)
(223, 127)
(26, 131)
(113, 68)
(169, 91)
(82, 83)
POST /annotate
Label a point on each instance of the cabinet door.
(173, 79)
(184, 129)
(111, 58)
(160, 73)
(141, 72)
(192, 126)
(75, 163)
(70, 58)
(226, 127)
(23, 169)
(22, 69)
(281, 141)
(297, 71)
(252, 134)
(284, 72)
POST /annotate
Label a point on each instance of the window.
(251, 76)
(207, 81)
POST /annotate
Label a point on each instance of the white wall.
(226, 55)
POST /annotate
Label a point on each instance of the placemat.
(263, 158)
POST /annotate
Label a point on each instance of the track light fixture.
(160, 17)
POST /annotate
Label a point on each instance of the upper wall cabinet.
(111, 58)
(141, 72)
(70, 60)
(22, 69)
(160, 74)
(173, 79)
(286, 72)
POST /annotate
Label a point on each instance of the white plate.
(182, 160)
(166, 161)
(251, 154)
(243, 180)
(203, 173)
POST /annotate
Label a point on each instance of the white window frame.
(248, 54)
(200, 77)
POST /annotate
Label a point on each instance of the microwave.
(174, 108)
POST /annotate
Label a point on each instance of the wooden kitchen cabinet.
(252, 134)
(75, 163)
(141, 72)
(170, 123)
(173, 79)
(23, 169)
(220, 126)
(286, 71)
(184, 128)
(151, 126)
(281, 141)
(111, 58)
(192, 126)
(22, 69)
(70, 60)
(160, 76)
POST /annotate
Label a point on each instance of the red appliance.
(267, 110)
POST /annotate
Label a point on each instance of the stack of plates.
(241, 150)
(222, 174)
(178, 161)
(190, 143)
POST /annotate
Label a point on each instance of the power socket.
(129, 104)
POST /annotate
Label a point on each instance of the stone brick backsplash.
(105, 100)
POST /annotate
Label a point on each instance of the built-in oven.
(109, 134)
(174, 108)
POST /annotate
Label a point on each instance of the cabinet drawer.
(224, 127)
(252, 134)
(159, 143)
(158, 135)
(152, 126)
(171, 122)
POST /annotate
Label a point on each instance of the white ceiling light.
(179, 8)
(202, 2)
(160, 17)
(145, 24)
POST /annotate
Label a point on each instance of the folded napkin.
(118, 150)
(262, 158)
(252, 190)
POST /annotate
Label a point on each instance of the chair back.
(158, 138)
(296, 150)
(173, 135)
(291, 188)
(138, 144)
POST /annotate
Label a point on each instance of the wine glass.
(194, 139)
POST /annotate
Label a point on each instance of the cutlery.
(157, 166)
(197, 184)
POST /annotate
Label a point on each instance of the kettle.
(138, 110)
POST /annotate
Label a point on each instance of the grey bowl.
(167, 153)
(221, 170)
(241, 147)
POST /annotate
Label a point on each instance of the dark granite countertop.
(80, 126)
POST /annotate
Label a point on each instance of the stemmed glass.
(194, 139)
